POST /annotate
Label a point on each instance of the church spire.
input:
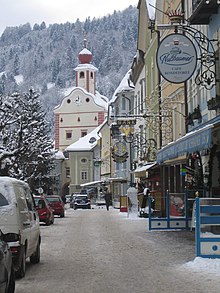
(85, 71)
(85, 56)
(85, 40)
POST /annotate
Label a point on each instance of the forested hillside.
(44, 57)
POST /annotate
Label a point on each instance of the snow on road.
(97, 251)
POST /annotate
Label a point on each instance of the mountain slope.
(45, 57)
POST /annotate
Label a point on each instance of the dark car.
(81, 201)
(45, 211)
(57, 205)
(7, 276)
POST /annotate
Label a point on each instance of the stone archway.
(65, 189)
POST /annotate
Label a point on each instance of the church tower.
(85, 71)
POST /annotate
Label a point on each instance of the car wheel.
(47, 222)
(22, 269)
(11, 285)
(62, 215)
(35, 257)
(52, 220)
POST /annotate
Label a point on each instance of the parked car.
(57, 205)
(45, 211)
(7, 276)
(19, 222)
(68, 197)
(72, 198)
(81, 201)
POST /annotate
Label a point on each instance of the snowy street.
(99, 251)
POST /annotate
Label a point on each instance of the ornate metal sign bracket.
(206, 71)
(206, 74)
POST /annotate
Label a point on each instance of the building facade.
(79, 113)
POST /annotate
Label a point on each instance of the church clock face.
(78, 100)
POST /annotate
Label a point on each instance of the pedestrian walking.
(146, 193)
(107, 199)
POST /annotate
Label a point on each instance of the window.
(81, 75)
(123, 104)
(84, 175)
(29, 200)
(68, 134)
(83, 133)
(84, 161)
(3, 201)
(67, 172)
(91, 74)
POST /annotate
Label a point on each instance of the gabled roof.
(99, 99)
(123, 86)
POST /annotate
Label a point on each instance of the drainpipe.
(185, 83)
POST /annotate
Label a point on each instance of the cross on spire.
(85, 40)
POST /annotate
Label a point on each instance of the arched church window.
(81, 75)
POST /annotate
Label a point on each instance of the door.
(34, 222)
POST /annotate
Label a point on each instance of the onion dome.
(85, 56)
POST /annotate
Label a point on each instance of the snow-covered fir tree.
(26, 149)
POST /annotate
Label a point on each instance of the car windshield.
(53, 199)
(81, 197)
(39, 201)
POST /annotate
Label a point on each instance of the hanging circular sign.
(176, 58)
(119, 152)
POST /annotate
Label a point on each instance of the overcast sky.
(17, 12)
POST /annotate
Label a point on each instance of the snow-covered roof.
(99, 99)
(92, 183)
(85, 66)
(123, 86)
(144, 168)
(85, 51)
(87, 142)
(59, 155)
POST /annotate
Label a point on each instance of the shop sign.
(126, 122)
(176, 58)
(119, 152)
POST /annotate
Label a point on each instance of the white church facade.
(79, 113)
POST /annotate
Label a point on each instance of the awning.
(144, 168)
(117, 179)
(196, 140)
(92, 183)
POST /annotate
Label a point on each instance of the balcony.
(203, 10)
(214, 103)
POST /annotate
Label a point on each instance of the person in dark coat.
(107, 199)
(146, 194)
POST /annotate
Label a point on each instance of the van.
(19, 222)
